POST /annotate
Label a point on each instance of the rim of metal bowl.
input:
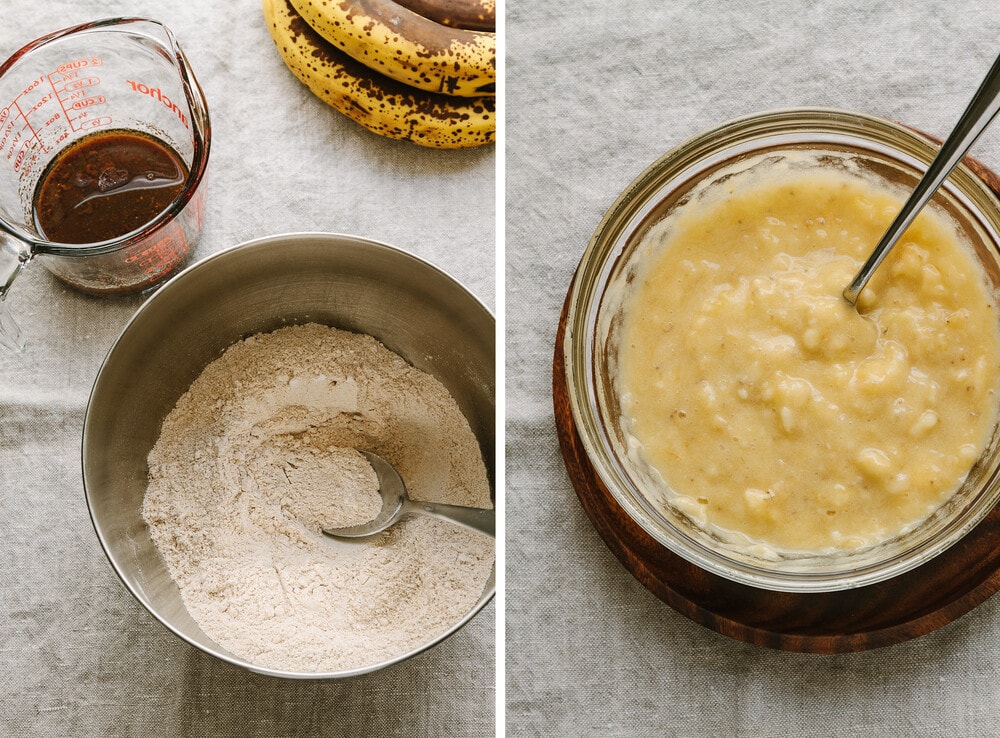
(489, 590)
(701, 152)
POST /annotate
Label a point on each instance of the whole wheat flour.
(260, 454)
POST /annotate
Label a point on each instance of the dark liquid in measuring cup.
(105, 185)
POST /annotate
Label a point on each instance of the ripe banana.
(475, 15)
(382, 105)
(406, 46)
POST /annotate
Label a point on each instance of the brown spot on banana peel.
(434, 37)
(472, 15)
(461, 122)
(407, 46)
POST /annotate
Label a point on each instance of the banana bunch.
(417, 70)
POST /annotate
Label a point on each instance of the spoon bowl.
(396, 504)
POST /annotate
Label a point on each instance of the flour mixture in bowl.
(261, 454)
(774, 411)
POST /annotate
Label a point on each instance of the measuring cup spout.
(14, 254)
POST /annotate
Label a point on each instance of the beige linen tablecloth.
(78, 655)
(596, 91)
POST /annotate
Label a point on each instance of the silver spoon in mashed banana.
(396, 504)
(983, 107)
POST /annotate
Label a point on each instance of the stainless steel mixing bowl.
(355, 284)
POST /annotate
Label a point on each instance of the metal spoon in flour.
(397, 504)
(983, 107)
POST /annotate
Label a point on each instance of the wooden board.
(910, 605)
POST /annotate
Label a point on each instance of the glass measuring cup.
(113, 74)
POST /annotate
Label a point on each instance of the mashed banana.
(774, 409)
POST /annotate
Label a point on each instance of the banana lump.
(774, 410)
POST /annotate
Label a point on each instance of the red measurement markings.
(17, 134)
(78, 64)
(74, 84)
(32, 124)
(7, 124)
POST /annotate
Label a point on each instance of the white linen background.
(596, 91)
(78, 655)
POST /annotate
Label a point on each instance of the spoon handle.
(482, 520)
(977, 116)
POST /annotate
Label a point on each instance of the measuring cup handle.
(14, 254)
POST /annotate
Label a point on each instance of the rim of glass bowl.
(610, 243)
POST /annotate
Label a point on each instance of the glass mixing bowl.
(880, 148)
